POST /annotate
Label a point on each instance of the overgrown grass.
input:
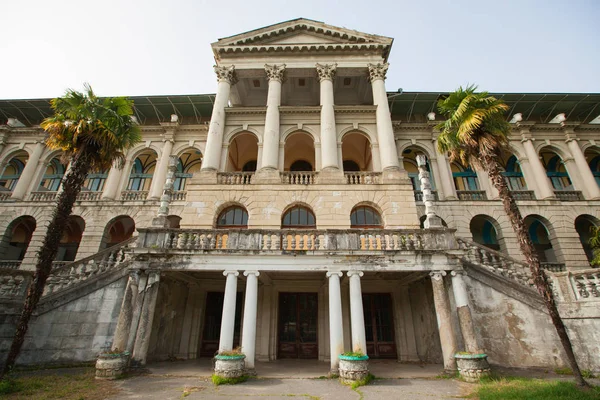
(533, 389)
(75, 386)
(218, 380)
(586, 373)
(362, 382)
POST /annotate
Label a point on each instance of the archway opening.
(174, 221)
(189, 163)
(465, 179)
(409, 156)
(540, 237)
(233, 217)
(484, 232)
(556, 170)
(299, 152)
(71, 238)
(53, 176)
(117, 231)
(142, 171)
(16, 238)
(592, 156)
(13, 170)
(585, 225)
(513, 174)
(243, 153)
(356, 152)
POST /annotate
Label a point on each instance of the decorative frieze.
(326, 71)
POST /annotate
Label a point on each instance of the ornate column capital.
(332, 273)
(234, 273)
(352, 273)
(326, 71)
(437, 275)
(246, 273)
(458, 272)
(275, 72)
(225, 74)
(378, 71)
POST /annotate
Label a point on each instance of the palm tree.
(93, 133)
(476, 133)
(595, 244)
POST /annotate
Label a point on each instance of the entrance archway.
(16, 238)
(584, 225)
(356, 152)
(299, 152)
(243, 153)
(118, 230)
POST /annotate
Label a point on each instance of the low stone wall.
(71, 333)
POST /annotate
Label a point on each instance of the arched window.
(95, 181)
(513, 175)
(118, 230)
(464, 178)
(365, 217)
(16, 238)
(351, 166)
(189, 162)
(585, 226)
(12, 173)
(298, 217)
(594, 163)
(250, 166)
(142, 171)
(484, 232)
(540, 237)
(52, 176)
(556, 171)
(233, 217)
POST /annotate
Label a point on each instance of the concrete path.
(177, 387)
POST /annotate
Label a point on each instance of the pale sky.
(150, 47)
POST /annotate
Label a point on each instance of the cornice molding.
(245, 110)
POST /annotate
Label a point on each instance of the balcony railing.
(472, 195)
(523, 194)
(10, 264)
(298, 178)
(294, 240)
(89, 196)
(134, 195)
(419, 195)
(553, 266)
(43, 196)
(363, 178)
(586, 284)
(234, 178)
(5, 196)
(568, 195)
(179, 195)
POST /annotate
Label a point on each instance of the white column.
(160, 172)
(249, 326)
(589, 188)
(336, 329)
(329, 155)
(385, 130)
(444, 319)
(28, 172)
(465, 319)
(446, 182)
(270, 152)
(541, 178)
(228, 318)
(357, 317)
(214, 139)
(111, 187)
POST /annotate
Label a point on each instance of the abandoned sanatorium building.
(262, 215)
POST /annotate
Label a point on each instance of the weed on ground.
(533, 389)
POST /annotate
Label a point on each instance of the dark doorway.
(379, 325)
(212, 323)
(297, 326)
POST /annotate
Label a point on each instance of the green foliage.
(102, 127)
(9, 385)
(563, 371)
(235, 352)
(353, 354)
(362, 382)
(218, 380)
(475, 123)
(595, 244)
(534, 389)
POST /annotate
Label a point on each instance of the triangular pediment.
(300, 34)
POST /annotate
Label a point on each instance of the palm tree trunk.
(46, 255)
(540, 280)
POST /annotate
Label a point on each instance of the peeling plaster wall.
(427, 336)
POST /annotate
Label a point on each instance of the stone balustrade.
(496, 262)
(134, 195)
(5, 196)
(471, 195)
(584, 285)
(43, 196)
(287, 240)
(419, 195)
(89, 196)
(178, 195)
(553, 266)
(70, 274)
(568, 195)
(363, 178)
(14, 283)
(299, 178)
(523, 194)
(10, 264)
(234, 178)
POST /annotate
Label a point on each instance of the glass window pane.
(244, 218)
(360, 216)
(311, 219)
(369, 216)
(295, 217)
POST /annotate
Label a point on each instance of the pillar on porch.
(336, 329)
(464, 312)
(329, 156)
(228, 319)
(142, 339)
(127, 311)
(249, 325)
(357, 317)
(138, 303)
(28, 172)
(270, 153)
(444, 321)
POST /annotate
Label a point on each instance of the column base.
(331, 176)
(394, 175)
(204, 177)
(267, 176)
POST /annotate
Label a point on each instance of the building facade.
(291, 214)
